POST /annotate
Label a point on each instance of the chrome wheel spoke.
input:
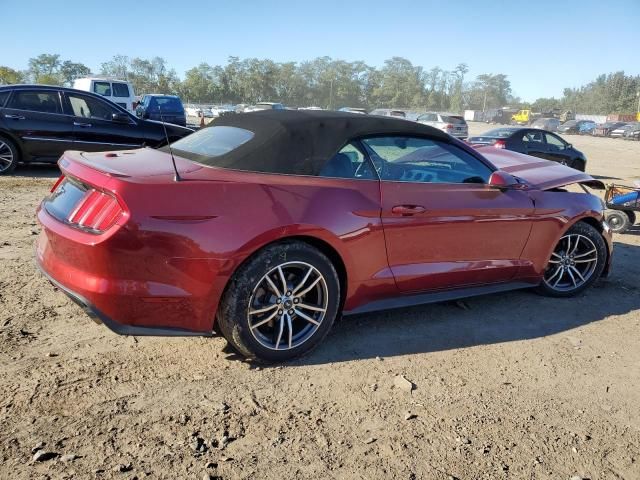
(575, 247)
(306, 317)
(573, 279)
(586, 260)
(290, 328)
(304, 280)
(311, 307)
(586, 253)
(282, 279)
(273, 287)
(263, 309)
(280, 331)
(560, 274)
(577, 272)
(266, 320)
(308, 289)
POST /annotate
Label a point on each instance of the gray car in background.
(548, 124)
(453, 124)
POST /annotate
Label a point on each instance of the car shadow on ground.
(37, 170)
(490, 319)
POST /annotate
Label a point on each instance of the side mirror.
(120, 118)
(503, 181)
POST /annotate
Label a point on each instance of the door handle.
(408, 210)
(80, 124)
(14, 117)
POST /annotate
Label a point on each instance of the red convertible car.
(267, 226)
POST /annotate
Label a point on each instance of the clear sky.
(543, 46)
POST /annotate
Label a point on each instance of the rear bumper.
(129, 289)
(120, 328)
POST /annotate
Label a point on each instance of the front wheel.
(281, 303)
(8, 156)
(576, 262)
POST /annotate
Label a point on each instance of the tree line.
(332, 83)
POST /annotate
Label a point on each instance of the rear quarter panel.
(200, 232)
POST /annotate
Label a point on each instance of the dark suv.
(38, 123)
(165, 108)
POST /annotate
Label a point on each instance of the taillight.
(58, 182)
(96, 211)
(500, 144)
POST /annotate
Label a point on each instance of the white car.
(193, 111)
(454, 125)
(265, 106)
(119, 92)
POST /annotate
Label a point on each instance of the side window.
(102, 88)
(407, 159)
(36, 101)
(555, 141)
(120, 89)
(88, 107)
(349, 162)
(535, 137)
(3, 98)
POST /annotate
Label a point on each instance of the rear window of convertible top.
(205, 145)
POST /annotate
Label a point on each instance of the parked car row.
(626, 130)
(38, 123)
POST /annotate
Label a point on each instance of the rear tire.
(618, 220)
(576, 263)
(281, 303)
(632, 217)
(9, 156)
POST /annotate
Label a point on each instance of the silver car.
(450, 123)
(548, 124)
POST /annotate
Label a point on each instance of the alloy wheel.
(6, 156)
(572, 263)
(288, 305)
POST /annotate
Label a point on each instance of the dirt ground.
(508, 386)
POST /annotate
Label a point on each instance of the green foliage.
(9, 76)
(329, 83)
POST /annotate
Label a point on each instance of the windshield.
(499, 132)
(165, 104)
(453, 119)
(205, 145)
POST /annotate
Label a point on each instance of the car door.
(94, 127)
(557, 149)
(533, 143)
(444, 226)
(36, 118)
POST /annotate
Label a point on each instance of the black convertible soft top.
(300, 142)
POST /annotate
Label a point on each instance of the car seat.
(338, 166)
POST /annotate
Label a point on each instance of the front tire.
(576, 263)
(281, 303)
(9, 156)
